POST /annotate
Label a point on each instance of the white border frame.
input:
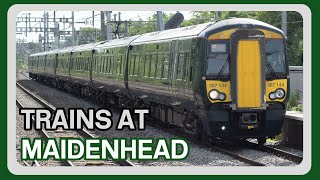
(15, 168)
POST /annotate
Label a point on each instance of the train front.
(246, 80)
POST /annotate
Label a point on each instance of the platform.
(292, 129)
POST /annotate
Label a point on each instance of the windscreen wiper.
(271, 70)
(223, 67)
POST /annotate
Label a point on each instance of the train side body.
(195, 77)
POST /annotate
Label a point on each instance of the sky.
(81, 16)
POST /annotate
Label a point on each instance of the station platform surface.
(294, 115)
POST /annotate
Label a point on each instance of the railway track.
(62, 133)
(275, 151)
(215, 147)
(222, 149)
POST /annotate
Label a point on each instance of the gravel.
(21, 133)
(285, 147)
(281, 145)
(198, 156)
(265, 158)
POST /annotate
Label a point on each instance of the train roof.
(117, 42)
(45, 53)
(238, 23)
(85, 47)
(200, 30)
(189, 31)
(66, 50)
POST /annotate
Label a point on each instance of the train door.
(173, 67)
(248, 67)
(182, 64)
(134, 58)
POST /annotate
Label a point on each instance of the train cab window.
(275, 57)
(217, 59)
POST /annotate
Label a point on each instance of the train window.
(165, 70)
(120, 65)
(187, 67)
(77, 64)
(147, 65)
(100, 65)
(105, 65)
(153, 61)
(159, 66)
(275, 56)
(165, 66)
(83, 60)
(87, 64)
(111, 64)
(132, 64)
(217, 58)
(180, 66)
(94, 64)
(218, 48)
(80, 63)
(136, 67)
(215, 63)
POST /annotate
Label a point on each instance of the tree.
(89, 35)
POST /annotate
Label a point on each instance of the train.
(225, 79)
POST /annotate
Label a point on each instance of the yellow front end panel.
(273, 85)
(249, 74)
(223, 87)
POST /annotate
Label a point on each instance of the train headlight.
(277, 94)
(216, 95)
(272, 96)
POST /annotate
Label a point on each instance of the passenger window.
(153, 62)
(106, 65)
(187, 67)
(180, 66)
(159, 66)
(165, 67)
(136, 66)
(121, 64)
(147, 65)
(110, 65)
(132, 64)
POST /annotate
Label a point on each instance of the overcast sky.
(81, 16)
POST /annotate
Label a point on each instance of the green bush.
(294, 103)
